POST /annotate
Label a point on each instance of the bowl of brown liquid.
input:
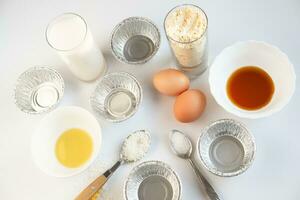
(252, 79)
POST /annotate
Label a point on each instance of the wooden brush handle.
(90, 190)
(97, 184)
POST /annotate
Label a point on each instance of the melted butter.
(74, 147)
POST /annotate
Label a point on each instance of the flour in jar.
(186, 29)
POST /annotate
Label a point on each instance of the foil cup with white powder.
(186, 30)
(38, 90)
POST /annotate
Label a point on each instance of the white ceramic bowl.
(253, 53)
(51, 127)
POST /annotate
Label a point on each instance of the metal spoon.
(185, 152)
(98, 183)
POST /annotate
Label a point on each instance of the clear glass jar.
(186, 30)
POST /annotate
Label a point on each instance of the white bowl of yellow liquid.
(66, 141)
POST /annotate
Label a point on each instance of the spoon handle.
(209, 189)
(97, 184)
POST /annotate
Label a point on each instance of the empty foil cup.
(38, 90)
(135, 40)
(152, 180)
(117, 96)
(226, 148)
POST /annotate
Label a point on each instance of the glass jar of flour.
(186, 30)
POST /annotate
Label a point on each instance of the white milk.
(69, 35)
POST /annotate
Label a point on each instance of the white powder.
(186, 24)
(119, 104)
(47, 96)
(135, 146)
(180, 143)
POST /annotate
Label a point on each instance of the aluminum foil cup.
(155, 179)
(226, 148)
(135, 40)
(116, 97)
(38, 90)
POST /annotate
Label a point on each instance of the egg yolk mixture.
(74, 147)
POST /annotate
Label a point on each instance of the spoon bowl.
(183, 148)
(98, 183)
(125, 143)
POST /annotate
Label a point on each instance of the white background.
(275, 173)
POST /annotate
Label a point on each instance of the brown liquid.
(250, 88)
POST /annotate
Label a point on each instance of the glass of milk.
(69, 35)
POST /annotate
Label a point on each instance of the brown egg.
(189, 105)
(171, 82)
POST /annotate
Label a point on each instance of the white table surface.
(275, 173)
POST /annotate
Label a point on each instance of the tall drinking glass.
(69, 35)
(186, 30)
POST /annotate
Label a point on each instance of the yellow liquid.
(74, 147)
